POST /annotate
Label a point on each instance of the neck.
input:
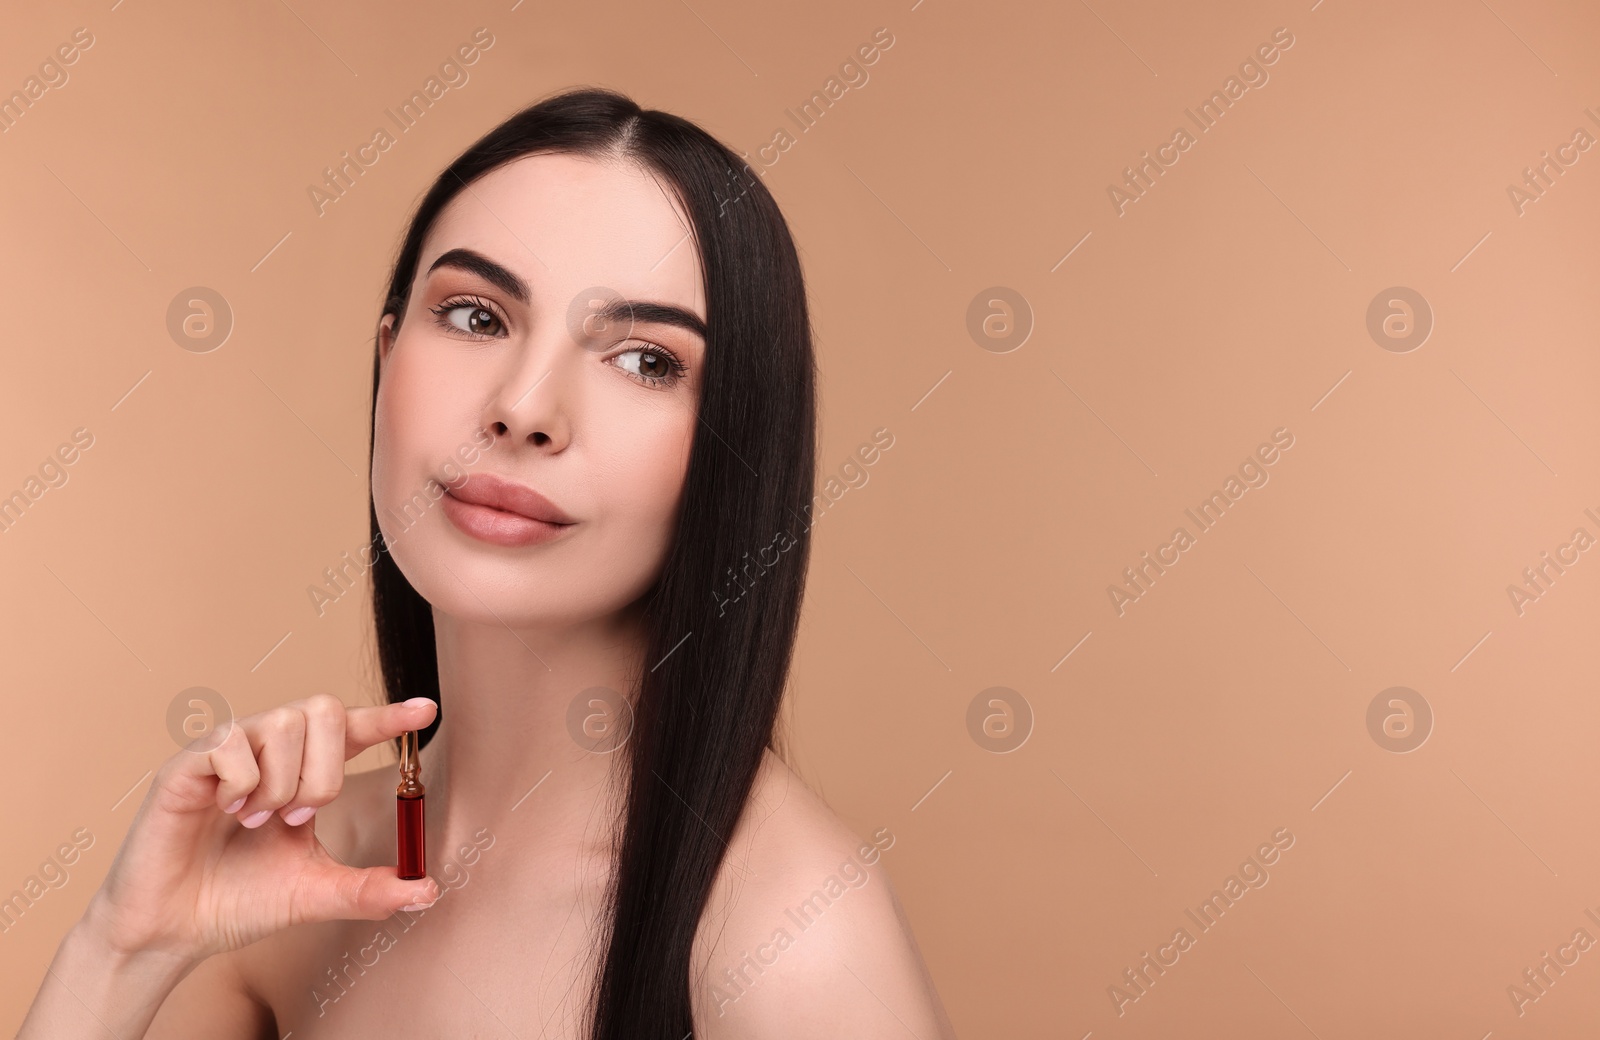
(515, 750)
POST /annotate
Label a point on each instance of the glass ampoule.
(408, 810)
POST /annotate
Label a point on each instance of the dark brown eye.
(478, 318)
(652, 367)
(480, 321)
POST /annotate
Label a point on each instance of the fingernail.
(419, 906)
(418, 702)
(256, 819)
(300, 815)
(235, 806)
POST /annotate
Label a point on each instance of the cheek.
(661, 470)
(403, 434)
(641, 469)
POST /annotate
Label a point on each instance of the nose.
(530, 403)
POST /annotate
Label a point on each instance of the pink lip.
(496, 510)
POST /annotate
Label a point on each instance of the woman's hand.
(222, 852)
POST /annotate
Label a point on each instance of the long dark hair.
(718, 649)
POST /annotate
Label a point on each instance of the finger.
(191, 785)
(321, 758)
(365, 727)
(340, 893)
(278, 738)
(234, 763)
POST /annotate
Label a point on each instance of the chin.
(483, 589)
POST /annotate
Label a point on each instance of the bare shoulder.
(804, 935)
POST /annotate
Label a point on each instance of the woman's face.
(593, 414)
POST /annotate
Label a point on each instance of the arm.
(92, 988)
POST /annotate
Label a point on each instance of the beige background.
(1231, 300)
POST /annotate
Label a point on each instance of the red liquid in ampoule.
(409, 819)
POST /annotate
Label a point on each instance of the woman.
(592, 409)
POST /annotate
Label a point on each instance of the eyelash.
(455, 303)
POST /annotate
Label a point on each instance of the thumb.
(340, 893)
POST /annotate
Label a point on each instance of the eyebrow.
(649, 312)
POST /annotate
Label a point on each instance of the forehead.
(567, 224)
